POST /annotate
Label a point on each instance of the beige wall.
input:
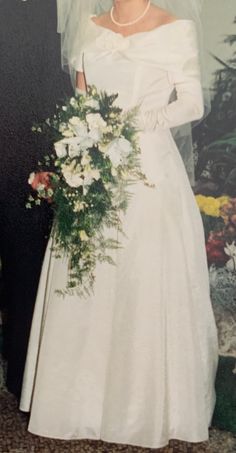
(218, 21)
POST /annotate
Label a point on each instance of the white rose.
(78, 126)
(60, 149)
(72, 174)
(95, 121)
(92, 103)
(73, 179)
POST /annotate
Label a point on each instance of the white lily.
(230, 250)
(78, 127)
(95, 135)
(118, 151)
(86, 143)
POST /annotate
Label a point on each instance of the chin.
(121, 1)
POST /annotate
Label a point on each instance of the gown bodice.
(146, 68)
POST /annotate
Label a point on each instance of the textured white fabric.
(135, 363)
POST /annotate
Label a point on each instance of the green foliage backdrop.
(215, 141)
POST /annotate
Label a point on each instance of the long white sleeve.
(185, 78)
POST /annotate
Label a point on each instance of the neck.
(126, 10)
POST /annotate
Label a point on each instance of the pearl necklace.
(133, 21)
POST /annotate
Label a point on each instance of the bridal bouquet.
(96, 157)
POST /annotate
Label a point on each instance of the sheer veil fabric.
(73, 20)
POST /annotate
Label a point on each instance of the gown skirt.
(135, 362)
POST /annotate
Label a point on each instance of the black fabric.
(31, 82)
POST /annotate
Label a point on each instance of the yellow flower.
(211, 206)
(223, 200)
(83, 235)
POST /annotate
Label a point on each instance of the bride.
(135, 362)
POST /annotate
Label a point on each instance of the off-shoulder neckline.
(153, 30)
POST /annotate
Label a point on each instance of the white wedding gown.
(135, 363)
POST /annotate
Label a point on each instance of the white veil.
(73, 25)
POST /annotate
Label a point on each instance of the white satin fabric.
(135, 363)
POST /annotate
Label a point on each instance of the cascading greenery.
(96, 158)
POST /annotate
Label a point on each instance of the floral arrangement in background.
(215, 145)
(219, 219)
(95, 158)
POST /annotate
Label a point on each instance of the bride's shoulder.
(180, 29)
(160, 16)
